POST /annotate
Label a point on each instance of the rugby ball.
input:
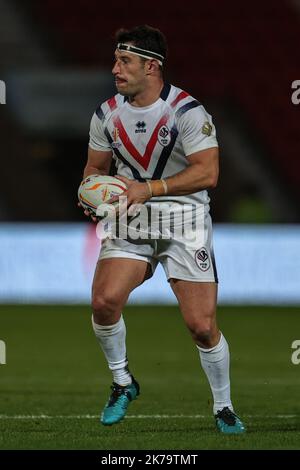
(97, 189)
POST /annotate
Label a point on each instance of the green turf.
(55, 367)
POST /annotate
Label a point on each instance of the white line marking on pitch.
(137, 416)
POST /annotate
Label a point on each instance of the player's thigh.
(115, 278)
(197, 302)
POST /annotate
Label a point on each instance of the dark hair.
(145, 37)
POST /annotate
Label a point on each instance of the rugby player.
(165, 149)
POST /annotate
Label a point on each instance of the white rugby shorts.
(182, 257)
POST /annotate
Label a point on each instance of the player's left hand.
(136, 193)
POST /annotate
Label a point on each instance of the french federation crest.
(164, 136)
(202, 259)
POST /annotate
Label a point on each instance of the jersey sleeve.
(98, 140)
(197, 131)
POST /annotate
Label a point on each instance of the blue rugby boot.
(228, 422)
(116, 407)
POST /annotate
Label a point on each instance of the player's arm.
(198, 135)
(98, 162)
(99, 151)
(202, 173)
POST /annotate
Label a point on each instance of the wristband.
(165, 186)
(158, 187)
(149, 187)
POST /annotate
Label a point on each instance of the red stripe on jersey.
(143, 160)
(112, 103)
(181, 96)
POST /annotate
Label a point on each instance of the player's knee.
(203, 336)
(203, 332)
(105, 305)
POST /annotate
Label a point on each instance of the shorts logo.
(202, 259)
(164, 136)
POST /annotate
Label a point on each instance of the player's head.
(140, 55)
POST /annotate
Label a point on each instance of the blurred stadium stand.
(238, 58)
(257, 264)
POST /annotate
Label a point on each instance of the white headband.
(141, 52)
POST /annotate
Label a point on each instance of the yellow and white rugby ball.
(97, 189)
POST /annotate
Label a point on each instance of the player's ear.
(152, 66)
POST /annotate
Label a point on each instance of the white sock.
(215, 362)
(112, 341)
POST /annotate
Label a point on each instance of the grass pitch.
(55, 381)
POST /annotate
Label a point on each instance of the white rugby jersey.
(153, 142)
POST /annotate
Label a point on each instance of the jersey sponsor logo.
(202, 259)
(206, 128)
(140, 127)
(164, 136)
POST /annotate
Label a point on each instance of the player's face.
(129, 73)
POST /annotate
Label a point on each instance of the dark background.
(238, 58)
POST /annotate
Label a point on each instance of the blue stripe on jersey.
(100, 113)
(187, 107)
(165, 91)
(162, 161)
(135, 173)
